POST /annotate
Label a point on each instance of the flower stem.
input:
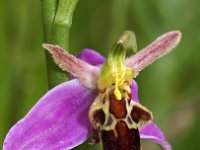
(57, 19)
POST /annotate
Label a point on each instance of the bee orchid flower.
(101, 101)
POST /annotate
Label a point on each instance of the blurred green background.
(170, 87)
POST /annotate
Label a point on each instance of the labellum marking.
(116, 122)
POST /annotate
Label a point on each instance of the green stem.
(57, 19)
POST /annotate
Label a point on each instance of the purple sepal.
(152, 132)
(92, 57)
(58, 121)
(135, 91)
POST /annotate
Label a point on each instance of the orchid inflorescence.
(101, 101)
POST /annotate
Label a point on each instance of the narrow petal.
(87, 73)
(160, 47)
(58, 121)
(92, 57)
(152, 132)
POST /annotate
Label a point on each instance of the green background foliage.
(170, 87)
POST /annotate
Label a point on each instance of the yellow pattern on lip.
(114, 70)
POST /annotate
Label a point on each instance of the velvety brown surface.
(126, 140)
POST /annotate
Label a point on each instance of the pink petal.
(92, 57)
(160, 47)
(58, 121)
(152, 132)
(88, 74)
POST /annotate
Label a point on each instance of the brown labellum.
(115, 122)
(127, 139)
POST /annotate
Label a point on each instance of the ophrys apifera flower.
(102, 101)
